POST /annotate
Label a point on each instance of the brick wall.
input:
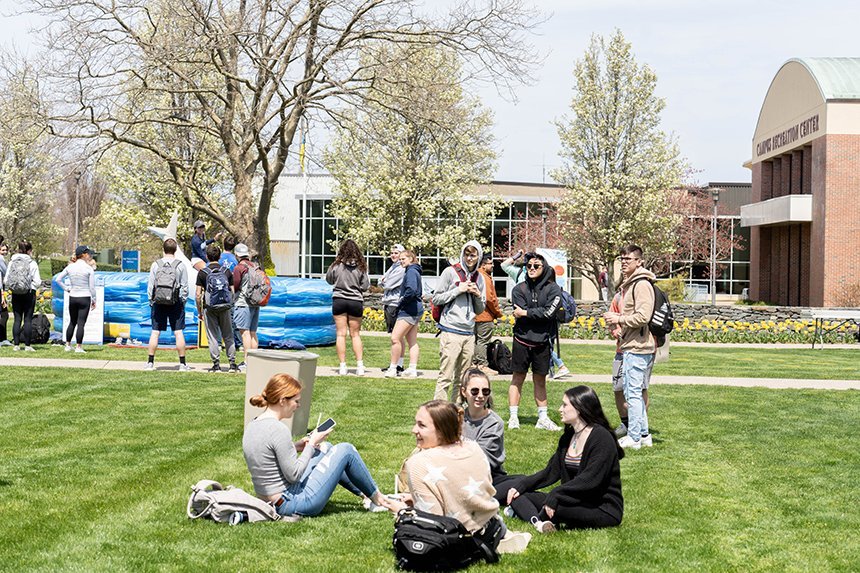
(841, 233)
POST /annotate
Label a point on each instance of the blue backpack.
(217, 295)
(567, 310)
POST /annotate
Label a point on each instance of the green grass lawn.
(96, 468)
(832, 364)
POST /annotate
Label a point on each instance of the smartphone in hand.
(326, 426)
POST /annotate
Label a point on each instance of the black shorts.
(354, 308)
(537, 356)
(172, 314)
(390, 311)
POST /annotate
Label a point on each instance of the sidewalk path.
(432, 374)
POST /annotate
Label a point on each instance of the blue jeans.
(329, 466)
(634, 368)
(556, 360)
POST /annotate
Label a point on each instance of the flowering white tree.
(409, 164)
(620, 170)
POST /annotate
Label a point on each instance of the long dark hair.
(349, 251)
(587, 404)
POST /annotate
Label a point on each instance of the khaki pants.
(455, 355)
(483, 335)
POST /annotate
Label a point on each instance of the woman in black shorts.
(348, 276)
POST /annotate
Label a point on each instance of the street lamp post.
(77, 206)
(715, 195)
(543, 211)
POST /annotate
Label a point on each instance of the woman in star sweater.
(586, 467)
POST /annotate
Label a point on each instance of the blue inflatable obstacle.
(299, 309)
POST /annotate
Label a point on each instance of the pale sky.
(714, 62)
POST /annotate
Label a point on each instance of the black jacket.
(597, 484)
(541, 299)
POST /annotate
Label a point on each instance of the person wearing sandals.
(410, 308)
(348, 275)
(299, 478)
(585, 465)
(81, 287)
(449, 475)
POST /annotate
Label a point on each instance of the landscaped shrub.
(673, 287)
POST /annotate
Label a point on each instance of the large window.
(733, 274)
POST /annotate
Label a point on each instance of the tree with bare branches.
(167, 76)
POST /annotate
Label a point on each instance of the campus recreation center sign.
(798, 131)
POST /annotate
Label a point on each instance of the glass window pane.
(316, 265)
(316, 208)
(316, 238)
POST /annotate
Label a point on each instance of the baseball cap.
(199, 223)
(81, 250)
(241, 250)
(398, 247)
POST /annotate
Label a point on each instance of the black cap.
(81, 250)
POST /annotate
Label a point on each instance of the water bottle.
(238, 517)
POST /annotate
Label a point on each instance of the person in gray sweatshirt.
(390, 283)
(461, 293)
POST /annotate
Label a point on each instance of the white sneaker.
(621, 430)
(67, 347)
(15, 348)
(514, 542)
(372, 507)
(629, 443)
(513, 423)
(360, 371)
(410, 373)
(342, 370)
(543, 526)
(646, 441)
(149, 366)
(391, 372)
(29, 349)
(561, 373)
(547, 424)
(80, 350)
(184, 367)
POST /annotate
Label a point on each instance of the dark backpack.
(166, 282)
(663, 318)
(217, 294)
(436, 310)
(19, 281)
(499, 357)
(428, 542)
(41, 329)
(567, 310)
(256, 287)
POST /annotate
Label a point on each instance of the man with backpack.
(536, 301)
(485, 322)
(167, 290)
(252, 292)
(635, 342)
(459, 296)
(214, 306)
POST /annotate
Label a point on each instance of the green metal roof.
(837, 78)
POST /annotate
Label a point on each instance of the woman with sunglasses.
(585, 465)
(482, 425)
(299, 478)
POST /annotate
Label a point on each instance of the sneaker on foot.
(547, 424)
(621, 430)
(372, 507)
(400, 368)
(241, 366)
(149, 366)
(514, 542)
(410, 373)
(233, 369)
(391, 373)
(513, 423)
(80, 350)
(543, 526)
(5, 343)
(15, 348)
(67, 347)
(29, 349)
(561, 373)
(629, 443)
(184, 368)
(342, 371)
(646, 441)
(359, 371)
(215, 368)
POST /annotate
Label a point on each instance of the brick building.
(804, 217)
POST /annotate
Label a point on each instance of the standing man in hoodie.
(635, 342)
(536, 302)
(484, 322)
(461, 293)
(390, 283)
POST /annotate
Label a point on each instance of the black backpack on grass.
(499, 357)
(41, 329)
(428, 542)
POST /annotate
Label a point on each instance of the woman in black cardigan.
(586, 465)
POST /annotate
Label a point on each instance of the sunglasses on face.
(475, 391)
(531, 266)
